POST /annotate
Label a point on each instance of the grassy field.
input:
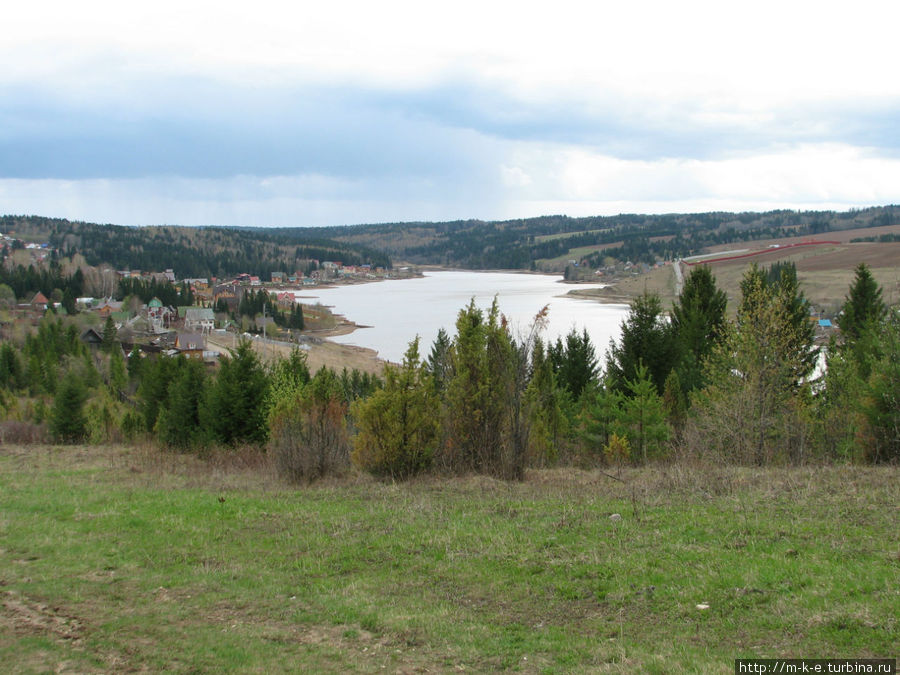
(121, 559)
(825, 274)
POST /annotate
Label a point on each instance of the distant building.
(199, 319)
(191, 345)
(39, 302)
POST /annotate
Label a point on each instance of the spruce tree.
(646, 338)
(109, 334)
(178, 424)
(863, 307)
(574, 362)
(235, 406)
(67, 420)
(698, 319)
(642, 418)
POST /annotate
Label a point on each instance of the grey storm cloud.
(205, 129)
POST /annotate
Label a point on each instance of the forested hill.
(191, 251)
(545, 243)
(548, 242)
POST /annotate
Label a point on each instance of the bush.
(308, 435)
(22, 433)
(398, 430)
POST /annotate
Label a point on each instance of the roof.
(91, 336)
(824, 323)
(199, 314)
(190, 341)
(39, 299)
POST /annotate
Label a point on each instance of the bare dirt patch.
(319, 352)
(21, 617)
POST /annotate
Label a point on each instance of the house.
(191, 345)
(157, 315)
(199, 319)
(92, 338)
(108, 307)
(277, 277)
(286, 300)
(39, 302)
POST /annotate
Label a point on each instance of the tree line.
(755, 389)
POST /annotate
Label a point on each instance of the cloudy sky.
(302, 113)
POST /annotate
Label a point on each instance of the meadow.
(129, 559)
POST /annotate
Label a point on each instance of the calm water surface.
(398, 310)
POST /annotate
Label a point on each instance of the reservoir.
(395, 311)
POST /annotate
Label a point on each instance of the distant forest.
(548, 242)
(545, 243)
(191, 251)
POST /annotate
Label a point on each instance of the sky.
(308, 114)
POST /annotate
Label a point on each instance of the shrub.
(308, 435)
(398, 429)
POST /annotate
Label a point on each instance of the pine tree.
(642, 418)
(109, 334)
(698, 320)
(646, 338)
(178, 424)
(235, 407)
(67, 419)
(398, 431)
(862, 313)
(574, 362)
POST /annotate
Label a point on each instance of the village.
(215, 314)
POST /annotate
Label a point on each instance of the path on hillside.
(679, 277)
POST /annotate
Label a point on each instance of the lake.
(397, 310)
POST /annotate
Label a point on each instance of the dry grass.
(119, 558)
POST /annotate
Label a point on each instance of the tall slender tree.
(698, 321)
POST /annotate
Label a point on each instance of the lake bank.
(396, 311)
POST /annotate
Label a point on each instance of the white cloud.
(469, 109)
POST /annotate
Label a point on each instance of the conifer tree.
(11, 371)
(748, 410)
(109, 334)
(863, 308)
(178, 424)
(398, 430)
(440, 364)
(646, 338)
(698, 319)
(574, 362)
(67, 419)
(544, 404)
(642, 418)
(881, 403)
(235, 405)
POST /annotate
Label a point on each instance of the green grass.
(566, 235)
(117, 559)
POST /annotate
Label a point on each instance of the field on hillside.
(825, 272)
(120, 559)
